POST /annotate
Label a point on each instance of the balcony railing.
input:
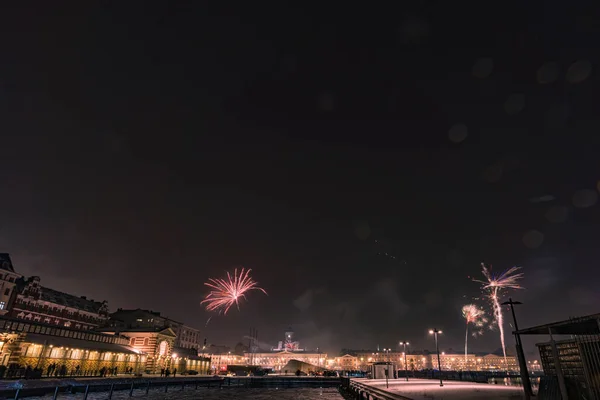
(19, 306)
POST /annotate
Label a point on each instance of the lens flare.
(227, 292)
(493, 285)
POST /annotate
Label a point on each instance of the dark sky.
(150, 146)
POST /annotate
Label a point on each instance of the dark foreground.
(184, 388)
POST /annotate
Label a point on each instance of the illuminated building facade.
(185, 336)
(347, 362)
(219, 362)
(276, 360)
(449, 362)
(156, 343)
(75, 352)
(36, 303)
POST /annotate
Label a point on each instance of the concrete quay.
(429, 389)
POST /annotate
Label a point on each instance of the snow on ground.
(427, 389)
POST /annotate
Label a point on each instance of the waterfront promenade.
(429, 389)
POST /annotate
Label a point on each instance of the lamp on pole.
(435, 333)
(405, 366)
(387, 367)
(520, 354)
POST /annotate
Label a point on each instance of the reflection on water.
(215, 394)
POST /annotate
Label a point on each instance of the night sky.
(363, 161)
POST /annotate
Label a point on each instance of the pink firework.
(227, 292)
(476, 317)
(493, 286)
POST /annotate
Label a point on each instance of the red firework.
(227, 292)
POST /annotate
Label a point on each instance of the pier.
(426, 389)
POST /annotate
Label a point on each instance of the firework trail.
(475, 316)
(227, 292)
(493, 285)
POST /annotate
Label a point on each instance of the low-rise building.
(347, 362)
(276, 360)
(426, 360)
(64, 351)
(157, 343)
(185, 336)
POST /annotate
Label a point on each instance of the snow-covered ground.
(426, 389)
(214, 394)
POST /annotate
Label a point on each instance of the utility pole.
(520, 353)
(405, 366)
(435, 332)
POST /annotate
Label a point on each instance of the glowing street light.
(405, 366)
(387, 367)
(435, 333)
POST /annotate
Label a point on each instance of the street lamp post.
(435, 333)
(405, 366)
(387, 367)
(520, 354)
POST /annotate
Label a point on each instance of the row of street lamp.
(522, 364)
(435, 332)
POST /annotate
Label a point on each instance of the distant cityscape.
(56, 333)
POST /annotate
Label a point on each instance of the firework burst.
(227, 292)
(475, 316)
(493, 286)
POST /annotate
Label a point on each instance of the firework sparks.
(227, 292)
(475, 316)
(493, 285)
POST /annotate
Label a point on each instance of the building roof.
(6, 263)
(575, 326)
(121, 311)
(69, 300)
(161, 330)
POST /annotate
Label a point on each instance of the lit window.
(2, 305)
(139, 320)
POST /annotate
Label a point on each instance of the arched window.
(132, 341)
(162, 349)
(145, 341)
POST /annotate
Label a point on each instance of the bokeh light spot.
(533, 239)
(579, 71)
(483, 68)
(585, 198)
(458, 133)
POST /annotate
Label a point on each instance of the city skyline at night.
(363, 167)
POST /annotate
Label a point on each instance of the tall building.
(8, 279)
(41, 304)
